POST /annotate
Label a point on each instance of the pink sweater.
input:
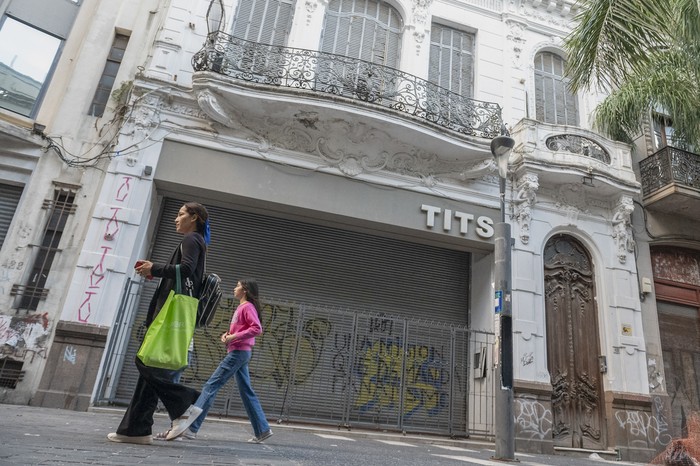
(245, 325)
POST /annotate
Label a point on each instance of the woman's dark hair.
(195, 208)
(251, 294)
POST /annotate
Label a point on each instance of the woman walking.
(192, 221)
(239, 341)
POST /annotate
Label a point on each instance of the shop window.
(264, 22)
(109, 74)
(27, 57)
(32, 292)
(554, 103)
(452, 59)
(365, 29)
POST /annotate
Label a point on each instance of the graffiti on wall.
(294, 355)
(371, 366)
(24, 337)
(533, 419)
(384, 365)
(97, 275)
(384, 370)
(647, 430)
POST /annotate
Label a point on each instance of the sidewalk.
(43, 436)
(32, 436)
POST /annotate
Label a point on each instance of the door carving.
(573, 345)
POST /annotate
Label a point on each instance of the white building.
(342, 149)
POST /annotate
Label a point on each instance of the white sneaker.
(181, 424)
(188, 435)
(264, 436)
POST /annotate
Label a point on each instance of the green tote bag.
(168, 337)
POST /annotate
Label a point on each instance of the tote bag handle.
(178, 280)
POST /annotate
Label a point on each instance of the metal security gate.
(332, 366)
(357, 351)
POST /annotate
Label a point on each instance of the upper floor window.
(27, 56)
(264, 21)
(553, 101)
(32, 35)
(664, 134)
(452, 59)
(369, 30)
(109, 74)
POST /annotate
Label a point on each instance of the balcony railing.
(670, 166)
(349, 78)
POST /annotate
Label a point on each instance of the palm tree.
(646, 55)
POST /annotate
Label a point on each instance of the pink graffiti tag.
(112, 227)
(86, 303)
(121, 196)
(96, 277)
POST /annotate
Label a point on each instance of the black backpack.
(209, 298)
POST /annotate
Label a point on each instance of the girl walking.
(239, 341)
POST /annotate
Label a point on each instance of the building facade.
(342, 148)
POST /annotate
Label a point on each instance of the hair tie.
(207, 232)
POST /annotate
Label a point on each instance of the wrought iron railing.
(349, 78)
(670, 166)
(580, 145)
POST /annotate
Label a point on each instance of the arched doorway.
(573, 345)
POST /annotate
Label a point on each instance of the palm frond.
(665, 85)
(615, 38)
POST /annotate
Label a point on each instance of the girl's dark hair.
(195, 208)
(251, 294)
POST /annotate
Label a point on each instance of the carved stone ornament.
(523, 202)
(622, 228)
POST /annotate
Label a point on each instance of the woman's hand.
(143, 268)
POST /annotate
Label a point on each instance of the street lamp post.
(501, 147)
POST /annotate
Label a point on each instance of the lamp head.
(501, 147)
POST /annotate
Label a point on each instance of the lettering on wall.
(644, 429)
(97, 276)
(22, 337)
(532, 418)
(70, 354)
(462, 222)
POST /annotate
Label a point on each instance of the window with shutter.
(365, 29)
(451, 59)
(554, 103)
(265, 22)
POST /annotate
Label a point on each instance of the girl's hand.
(223, 337)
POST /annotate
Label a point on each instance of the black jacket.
(190, 255)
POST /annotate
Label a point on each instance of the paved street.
(42, 436)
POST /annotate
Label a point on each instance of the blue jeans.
(234, 364)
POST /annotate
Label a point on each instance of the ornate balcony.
(339, 87)
(671, 181)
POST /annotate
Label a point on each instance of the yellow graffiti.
(382, 379)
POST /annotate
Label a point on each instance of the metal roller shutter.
(9, 198)
(326, 275)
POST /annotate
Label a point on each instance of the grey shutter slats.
(266, 22)
(314, 266)
(295, 261)
(553, 101)
(363, 29)
(9, 198)
(451, 57)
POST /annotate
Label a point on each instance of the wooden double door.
(573, 345)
